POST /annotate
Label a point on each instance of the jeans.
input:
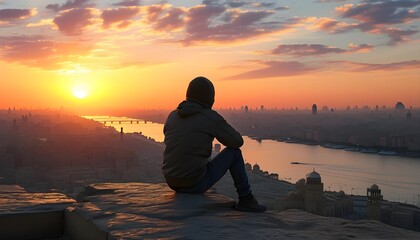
(228, 159)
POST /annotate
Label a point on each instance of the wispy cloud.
(70, 4)
(38, 51)
(329, 1)
(8, 15)
(316, 49)
(165, 17)
(119, 16)
(329, 25)
(74, 21)
(371, 14)
(367, 67)
(374, 17)
(272, 69)
(214, 23)
(128, 3)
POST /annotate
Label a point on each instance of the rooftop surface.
(141, 210)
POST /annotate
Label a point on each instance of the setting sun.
(80, 91)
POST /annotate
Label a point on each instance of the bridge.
(119, 121)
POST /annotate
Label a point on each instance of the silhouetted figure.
(314, 109)
(189, 133)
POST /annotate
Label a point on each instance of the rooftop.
(140, 210)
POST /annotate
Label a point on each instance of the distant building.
(256, 169)
(399, 106)
(314, 109)
(248, 167)
(373, 211)
(314, 189)
(310, 196)
(217, 147)
(408, 115)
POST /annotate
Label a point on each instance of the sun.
(80, 91)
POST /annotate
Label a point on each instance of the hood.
(202, 91)
(188, 108)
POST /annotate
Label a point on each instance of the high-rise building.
(314, 109)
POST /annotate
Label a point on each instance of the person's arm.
(223, 131)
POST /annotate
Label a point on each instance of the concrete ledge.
(80, 228)
(33, 225)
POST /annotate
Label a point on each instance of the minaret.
(373, 209)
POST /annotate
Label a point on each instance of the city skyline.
(88, 55)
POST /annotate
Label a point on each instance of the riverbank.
(346, 147)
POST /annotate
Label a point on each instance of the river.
(352, 172)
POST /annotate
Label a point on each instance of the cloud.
(330, 25)
(374, 17)
(360, 48)
(329, 1)
(236, 4)
(214, 23)
(305, 49)
(74, 21)
(42, 22)
(397, 35)
(282, 8)
(165, 17)
(316, 49)
(7, 15)
(273, 69)
(335, 27)
(371, 14)
(70, 4)
(367, 67)
(118, 16)
(173, 19)
(39, 51)
(127, 3)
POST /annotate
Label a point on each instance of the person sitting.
(189, 132)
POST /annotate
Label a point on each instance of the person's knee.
(233, 150)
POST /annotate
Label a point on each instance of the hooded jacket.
(189, 133)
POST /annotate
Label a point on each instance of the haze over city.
(120, 119)
(90, 55)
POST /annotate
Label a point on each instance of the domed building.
(373, 211)
(248, 167)
(399, 106)
(310, 196)
(256, 169)
(314, 189)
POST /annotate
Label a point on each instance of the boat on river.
(352, 149)
(387, 153)
(333, 146)
(368, 150)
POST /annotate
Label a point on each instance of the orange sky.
(129, 54)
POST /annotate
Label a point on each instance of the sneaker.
(250, 204)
